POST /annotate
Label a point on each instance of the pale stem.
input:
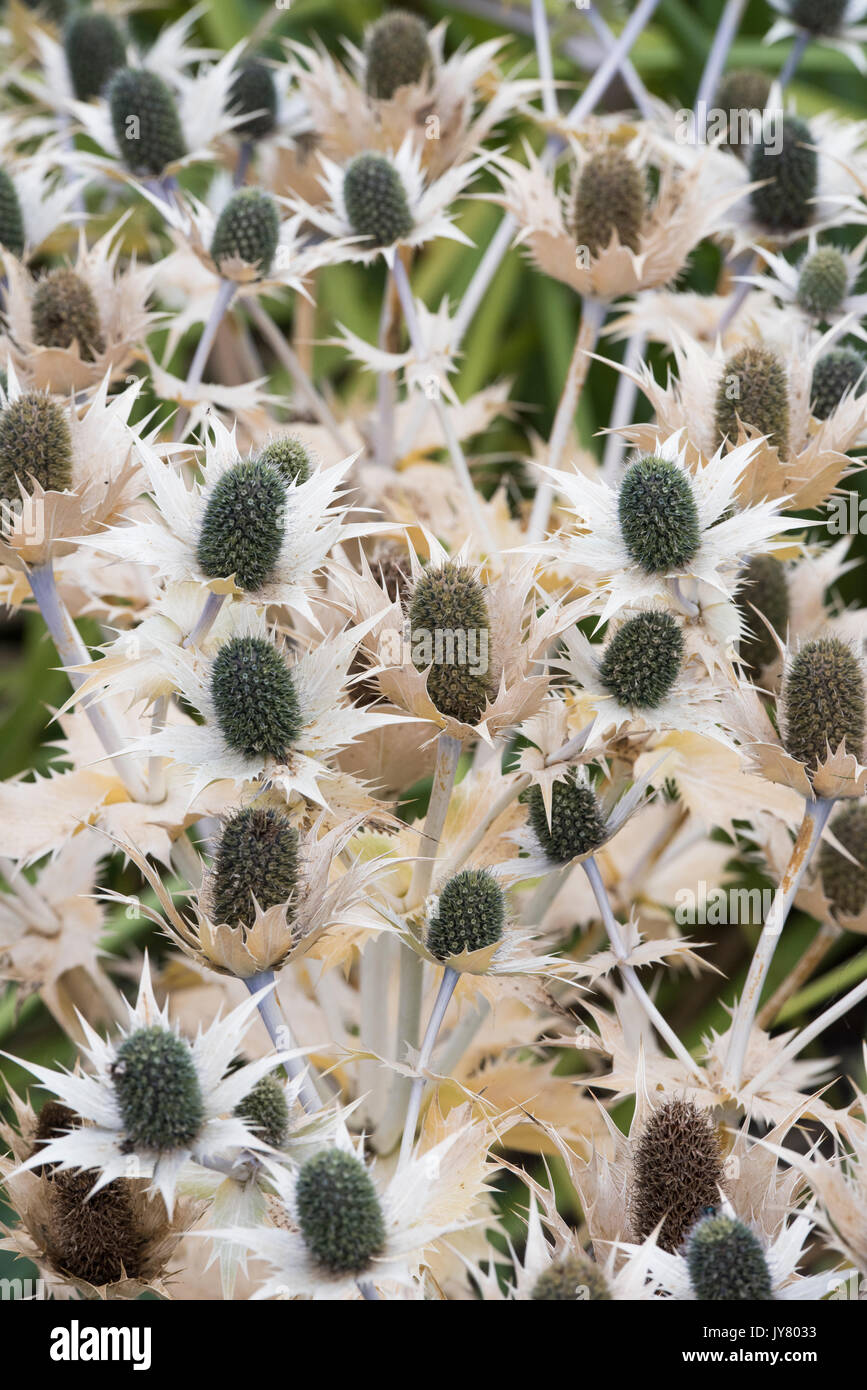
(637, 89)
(224, 296)
(544, 895)
(612, 926)
(285, 354)
(592, 319)
(245, 154)
(461, 1036)
(157, 764)
(448, 754)
(281, 1036)
(623, 410)
(211, 607)
(808, 1035)
(742, 265)
(483, 275)
(438, 1013)
(806, 965)
(367, 1289)
(376, 961)
(613, 59)
(386, 390)
(542, 40)
(816, 815)
(40, 912)
(793, 62)
(723, 39)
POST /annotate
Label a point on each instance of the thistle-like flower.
(832, 23)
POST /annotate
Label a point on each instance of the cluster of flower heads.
(412, 776)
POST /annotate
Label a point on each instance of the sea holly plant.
(434, 848)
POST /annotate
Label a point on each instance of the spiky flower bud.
(763, 589)
(64, 311)
(450, 631)
(248, 229)
(339, 1212)
(397, 53)
(470, 914)
(290, 457)
(242, 529)
(577, 824)
(643, 660)
(11, 217)
(844, 883)
(823, 701)
(265, 1110)
(35, 441)
(145, 121)
(375, 199)
(255, 698)
(677, 1172)
(823, 282)
(257, 858)
(783, 204)
(839, 371)
(742, 90)
(157, 1090)
(818, 16)
(658, 515)
(253, 94)
(726, 1262)
(610, 197)
(754, 389)
(572, 1279)
(94, 1238)
(95, 49)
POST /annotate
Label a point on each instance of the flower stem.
(723, 39)
(438, 1013)
(245, 154)
(224, 296)
(289, 359)
(637, 89)
(281, 1036)
(613, 59)
(793, 62)
(623, 410)
(815, 953)
(807, 1035)
(542, 40)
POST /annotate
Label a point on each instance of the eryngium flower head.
(754, 389)
(145, 121)
(844, 883)
(94, 1238)
(157, 1090)
(677, 1172)
(397, 53)
(643, 659)
(290, 457)
(242, 529)
(823, 282)
(823, 702)
(726, 1262)
(255, 699)
(573, 1279)
(837, 372)
(610, 197)
(470, 914)
(11, 217)
(451, 600)
(35, 441)
(247, 229)
(818, 16)
(783, 204)
(257, 858)
(264, 1110)
(577, 824)
(659, 518)
(763, 587)
(338, 1212)
(375, 200)
(64, 311)
(741, 90)
(254, 94)
(94, 49)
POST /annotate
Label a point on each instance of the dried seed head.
(577, 824)
(818, 16)
(450, 602)
(157, 1090)
(247, 229)
(254, 94)
(470, 914)
(397, 53)
(572, 1279)
(11, 217)
(839, 371)
(375, 199)
(64, 311)
(339, 1213)
(145, 121)
(740, 91)
(610, 197)
(677, 1172)
(290, 457)
(783, 204)
(243, 525)
(658, 515)
(265, 1110)
(255, 699)
(844, 883)
(726, 1262)
(257, 858)
(755, 390)
(94, 49)
(643, 659)
(823, 282)
(763, 587)
(95, 1238)
(35, 441)
(823, 701)
(53, 1121)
